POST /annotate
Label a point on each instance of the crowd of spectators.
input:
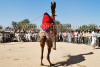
(18, 37)
(80, 37)
(26, 37)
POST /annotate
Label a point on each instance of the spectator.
(94, 39)
(98, 37)
(89, 37)
(84, 37)
(29, 36)
(79, 37)
(60, 36)
(76, 36)
(17, 36)
(72, 37)
(64, 36)
(69, 37)
(1, 37)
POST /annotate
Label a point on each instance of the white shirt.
(76, 34)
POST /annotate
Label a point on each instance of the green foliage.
(92, 26)
(66, 27)
(57, 22)
(88, 27)
(83, 27)
(62, 27)
(23, 25)
(58, 26)
(8, 28)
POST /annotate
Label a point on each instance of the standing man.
(94, 38)
(1, 37)
(76, 36)
(98, 37)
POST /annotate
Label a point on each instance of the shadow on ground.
(72, 60)
(98, 48)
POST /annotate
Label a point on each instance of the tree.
(23, 25)
(8, 28)
(66, 27)
(57, 22)
(25, 21)
(58, 26)
(92, 26)
(62, 27)
(83, 27)
(1, 27)
(88, 27)
(15, 26)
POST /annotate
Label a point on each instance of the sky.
(75, 12)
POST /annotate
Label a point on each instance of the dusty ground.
(67, 55)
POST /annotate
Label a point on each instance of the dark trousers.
(99, 41)
(79, 40)
(85, 40)
(72, 40)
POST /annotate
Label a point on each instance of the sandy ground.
(67, 55)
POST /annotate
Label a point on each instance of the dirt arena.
(27, 54)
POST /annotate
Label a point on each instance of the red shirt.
(47, 22)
